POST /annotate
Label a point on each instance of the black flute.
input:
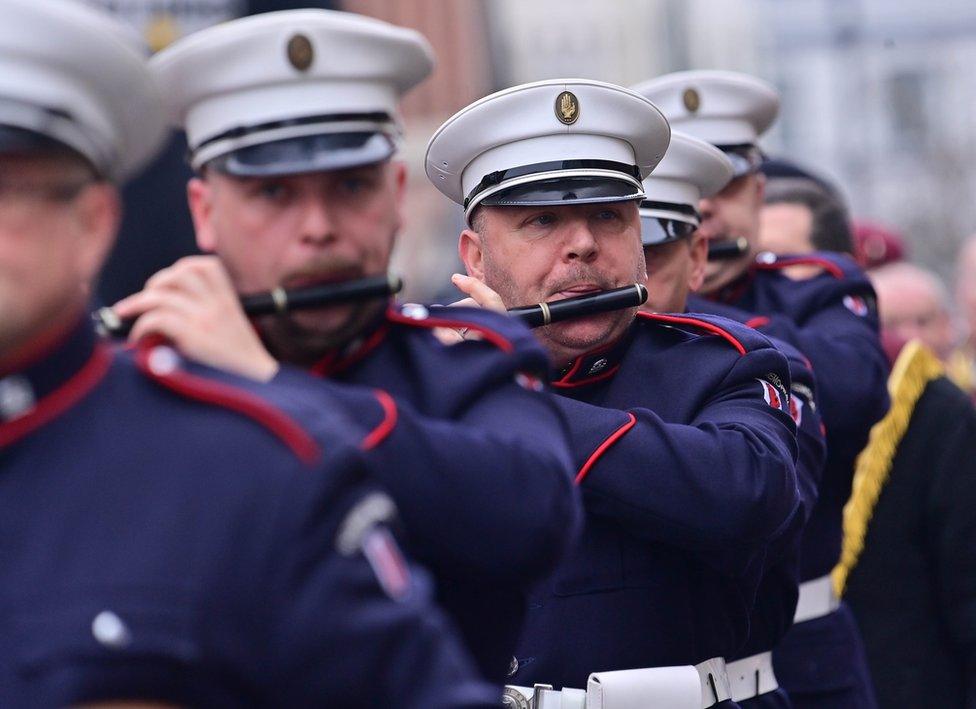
(727, 250)
(590, 304)
(281, 300)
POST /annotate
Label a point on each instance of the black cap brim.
(561, 191)
(308, 153)
(662, 230)
(22, 140)
(746, 159)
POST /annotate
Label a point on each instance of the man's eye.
(543, 220)
(358, 184)
(606, 215)
(272, 190)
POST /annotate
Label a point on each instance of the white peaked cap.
(76, 76)
(550, 142)
(690, 170)
(286, 78)
(723, 108)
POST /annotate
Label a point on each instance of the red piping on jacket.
(832, 268)
(386, 426)
(61, 399)
(490, 335)
(561, 384)
(242, 402)
(602, 448)
(707, 326)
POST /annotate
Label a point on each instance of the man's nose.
(317, 224)
(581, 245)
(709, 224)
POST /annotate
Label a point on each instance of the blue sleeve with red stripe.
(498, 476)
(723, 481)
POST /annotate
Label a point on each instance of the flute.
(727, 250)
(280, 300)
(590, 304)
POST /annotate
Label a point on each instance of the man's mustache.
(602, 281)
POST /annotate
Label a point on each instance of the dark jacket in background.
(912, 584)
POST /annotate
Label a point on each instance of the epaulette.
(489, 325)
(744, 339)
(163, 365)
(915, 367)
(838, 265)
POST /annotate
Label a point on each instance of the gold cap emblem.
(161, 31)
(300, 52)
(691, 100)
(567, 108)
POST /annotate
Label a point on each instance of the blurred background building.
(877, 96)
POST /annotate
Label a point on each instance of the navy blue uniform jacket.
(685, 456)
(832, 319)
(166, 535)
(776, 599)
(479, 464)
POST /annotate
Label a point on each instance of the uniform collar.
(596, 365)
(733, 292)
(60, 369)
(341, 358)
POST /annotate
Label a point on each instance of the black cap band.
(498, 177)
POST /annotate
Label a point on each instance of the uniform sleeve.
(951, 527)
(840, 337)
(811, 444)
(353, 623)
(498, 475)
(724, 482)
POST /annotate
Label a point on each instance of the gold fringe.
(915, 367)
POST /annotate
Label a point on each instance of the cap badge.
(300, 52)
(691, 100)
(161, 32)
(567, 108)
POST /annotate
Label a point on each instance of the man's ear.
(99, 211)
(399, 176)
(199, 196)
(699, 259)
(760, 188)
(471, 251)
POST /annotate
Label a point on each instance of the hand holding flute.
(193, 304)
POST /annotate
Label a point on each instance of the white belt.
(543, 696)
(752, 676)
(817, 599)
(698, 687)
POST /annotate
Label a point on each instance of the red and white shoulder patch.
(857, 305)
(529, 381)
(774, 393)
(365, 530)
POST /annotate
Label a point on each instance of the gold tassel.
(915, 367)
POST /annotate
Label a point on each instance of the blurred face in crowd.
(673, 270)
(966, 284)
(732, 213)
(785, 228)
(538, 254)
(912, 304)
(302, 230)
(56, 226)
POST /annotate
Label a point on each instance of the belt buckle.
(513, 698)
